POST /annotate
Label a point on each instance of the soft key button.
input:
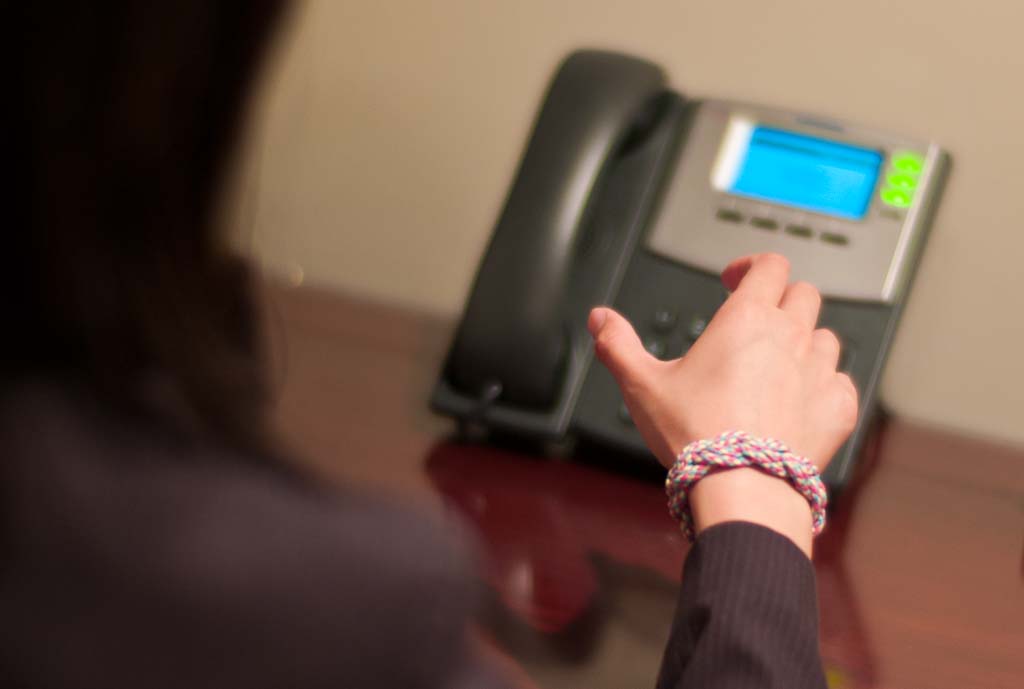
(800, 231)
(764, 223)
(835, 238)
(729, 215)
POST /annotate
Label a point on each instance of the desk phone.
(631, 195)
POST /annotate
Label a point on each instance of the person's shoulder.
(173, 536)
(64, 446)
(189, 514)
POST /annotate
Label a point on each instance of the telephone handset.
(629, 195)
(513, 340)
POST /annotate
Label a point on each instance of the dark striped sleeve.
(747, 615)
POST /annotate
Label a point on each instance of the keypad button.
(664, 320)
(696, 327)
(656, 348)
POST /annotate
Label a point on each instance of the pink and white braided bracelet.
(738, 449)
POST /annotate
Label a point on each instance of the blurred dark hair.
(123, 119)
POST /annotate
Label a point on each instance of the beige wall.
(390, 130)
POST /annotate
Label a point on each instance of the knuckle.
(795, 336)
(850, 421)
(605, 346)
(848, 401)
(827, 338)
(809, 290)
(628, 365)
(792, 331)
(847, 382)
(776, 260)
(746, 310)
(851, 412)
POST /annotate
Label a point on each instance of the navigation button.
(664, 320)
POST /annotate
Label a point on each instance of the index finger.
(762, 276)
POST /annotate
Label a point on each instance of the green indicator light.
(900, 198)
(907, 162)
(902, 180)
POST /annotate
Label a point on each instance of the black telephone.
(630, 195)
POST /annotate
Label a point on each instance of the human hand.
(760, 366)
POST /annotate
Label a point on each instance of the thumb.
(617, 345)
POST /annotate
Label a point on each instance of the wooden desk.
(920, 574)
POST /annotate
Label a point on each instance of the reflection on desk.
(920, 573)
(556, 534)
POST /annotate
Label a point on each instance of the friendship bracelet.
(738, 449)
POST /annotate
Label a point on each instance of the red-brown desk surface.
(920, 573)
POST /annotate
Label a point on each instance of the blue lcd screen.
(807, 172)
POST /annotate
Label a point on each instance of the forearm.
(747, 614)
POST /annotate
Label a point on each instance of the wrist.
(750, 495)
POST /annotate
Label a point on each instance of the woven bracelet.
(738, 449)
